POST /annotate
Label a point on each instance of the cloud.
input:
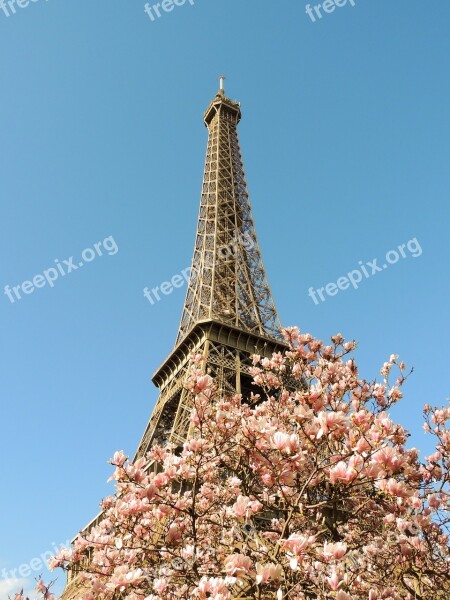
(11, 586)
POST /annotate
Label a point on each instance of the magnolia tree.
(304, 491)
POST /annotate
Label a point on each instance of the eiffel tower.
(228, 313)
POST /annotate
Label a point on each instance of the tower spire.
(228, 282)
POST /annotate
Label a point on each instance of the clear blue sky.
(345, 134)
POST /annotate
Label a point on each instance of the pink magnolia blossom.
(298, 543)
(334, 551)
(308, 490)
(334, 582)
(268, 571)
(342, 473)
(238, 565)
(245, 507)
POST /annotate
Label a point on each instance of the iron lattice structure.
(228, 313)
(228, 282)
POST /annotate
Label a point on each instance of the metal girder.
(227, 352)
